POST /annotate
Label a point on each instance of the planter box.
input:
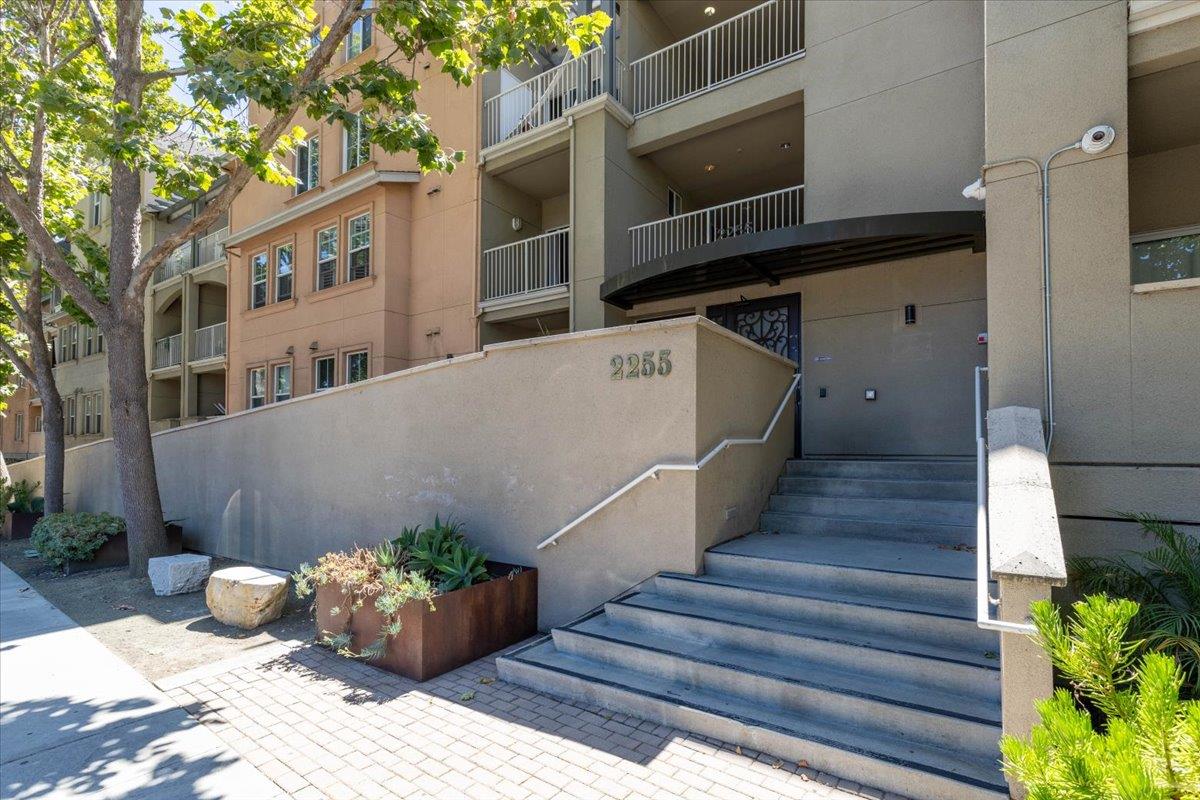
(467, 624)
(20, 524)
(115, 552)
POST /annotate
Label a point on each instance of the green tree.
(97, 79)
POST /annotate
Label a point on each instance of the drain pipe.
(1095, 140)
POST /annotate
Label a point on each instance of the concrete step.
(967, 671)
(931, 470)
(850, 527)
(885, 761)
(895, 570)
(926, 713)
(877, 487)
(944, 512)
(926, 621)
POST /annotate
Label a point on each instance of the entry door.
(773, 322)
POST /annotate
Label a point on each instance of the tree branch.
(21, 364)
(105, 44)
(69, 57)
(17, 308)
(162, 74)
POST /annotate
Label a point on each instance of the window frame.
(95, 215)
(69, 416)
(87, 415)
(362, 148)
(250, 395)
(316, 372)
(1158, 235)
(363, 26)
(291, 274)
(276, 370)
(35, 423)
(366, 354)
(336, 250)
(308, 176)
(97, 405)
(19, 426)
(351, 249)
(265, 281)
(674, 203)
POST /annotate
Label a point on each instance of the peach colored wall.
(30, 442)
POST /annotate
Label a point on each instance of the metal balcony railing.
(530, 265)
(209, 342)
(211, 247)
(739, 46)
(545, 97)
(193, 253)
(766, 212)
(179, 262)
(168, 351)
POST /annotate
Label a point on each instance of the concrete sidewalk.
(76, 721)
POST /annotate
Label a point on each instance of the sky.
(170, 46)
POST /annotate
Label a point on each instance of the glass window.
(37, 422)
(674, 203)
(98, 405)
(69, 415)
(324, 374)
(258, 387)
(308, 165)
(258, 280)
(356, 367)
(74, 335)
(19, 427)
(357, 150)
(359, 255)
(283, 382)
(87, 414)
(283, 272)
(1171, 258)
(95, 209)
(99, 341)
(359, 38)
(327, 253)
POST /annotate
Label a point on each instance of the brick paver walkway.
(324, 726)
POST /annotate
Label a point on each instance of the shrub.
(1146, 744)
(18, 497)
(1165, 582)
(60, 538)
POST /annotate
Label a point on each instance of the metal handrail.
(652, 472)
(983, 598)
(168, 351)
(209, 342)
(525, 266)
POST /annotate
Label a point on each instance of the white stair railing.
(653, 471)
(530, 265)
(753, 40)
(209, 342)
(778, 209)
(168, 351)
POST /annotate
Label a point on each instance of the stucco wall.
(513, 442)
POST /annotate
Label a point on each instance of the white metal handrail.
(209, 342)
(652, 472)
(779, 209)
(983, 598)
(179, 262)
(168, 351)
(530, 265)
(211, 246)
(742, 45)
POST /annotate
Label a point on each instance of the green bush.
(18, 497)
(60, 538)
(1145, 744)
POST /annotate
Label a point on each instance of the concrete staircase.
(842, 634)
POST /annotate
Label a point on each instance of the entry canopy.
(770, 256)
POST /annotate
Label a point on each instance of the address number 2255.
(645, 365)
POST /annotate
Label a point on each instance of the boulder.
(246, 596)
(179, 574)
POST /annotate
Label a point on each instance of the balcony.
(168, 351)
(527, 268)
(546, 97)
(766, 212)
(750, 42)
(193, 253)
(209, 342)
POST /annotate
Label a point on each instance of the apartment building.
(366, 266)
(21, 425)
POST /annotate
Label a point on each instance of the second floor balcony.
(197, 252)
(168, 351)
(209, 342)
(530, 267)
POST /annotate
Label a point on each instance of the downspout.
(571, 224)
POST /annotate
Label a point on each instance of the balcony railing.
(766, 212)
(545, 97)
(741, 45)
(168, 351)
(193, 253)
(530, 265)
(209, 342)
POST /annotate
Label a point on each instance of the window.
(1166, 256)
(323, 374)
(37, 423)
(19, 427)
(308, 165)
(258, 388)
(283, 382)
(674, 203)
(359, 38)
(327, 252)
(63, 347)
(94, 210)
(283, 272)
(69, 416)
(356, 149)
(358, 257)
(87, 414)
(99, 341)
(356, 367)
(258, 280)
(73, 339)
(87, 340)
(98, 406)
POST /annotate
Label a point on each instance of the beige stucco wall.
(514, 442)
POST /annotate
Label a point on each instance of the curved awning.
(770, 256)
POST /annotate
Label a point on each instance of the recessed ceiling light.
(785, 145)
(709, 11)
(709, 167)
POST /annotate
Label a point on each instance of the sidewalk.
(77, 722)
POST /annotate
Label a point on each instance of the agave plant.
(463, 566)
(1165, 582)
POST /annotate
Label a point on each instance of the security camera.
(975, 191)
(1097, 139)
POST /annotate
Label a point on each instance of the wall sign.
(646, 364)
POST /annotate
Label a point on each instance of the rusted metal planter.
(467, 624)
(115, 552)
(20, 524)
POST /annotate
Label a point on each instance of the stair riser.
(850, 710)
(785, 522)
(865, 769)
(957, 594)
(941, 512)
(944, 631)
(859, 487)
(971, 681)
(894, 470)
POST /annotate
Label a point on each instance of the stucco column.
(189, 318)
(1026, 675)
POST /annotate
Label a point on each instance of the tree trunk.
(133, 447)
(53, 439)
